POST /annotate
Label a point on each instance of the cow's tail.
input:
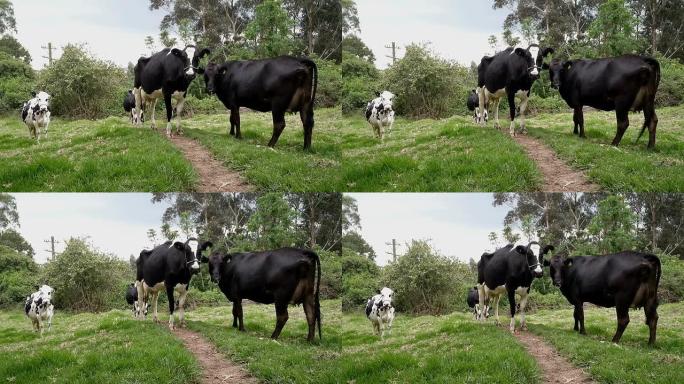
(314, 79)
(647, 291)
(651, 79)
(655, 264)
(317, 303)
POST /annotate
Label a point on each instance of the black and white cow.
(380, 114)
(473, 300)
(620, 84)
(279, 85)
(132, 300)
(170, 266)
(380, 312)
(282, 277)
(38, 307)
(35, 113)
(509, 73)
(473, 105)
(167, 74)
(129, 106)
(621, 280)
(509, 270)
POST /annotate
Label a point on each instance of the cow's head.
(534, 56)
(45, 291)
(215, 261)
(558, 268)
(385, 300)
(386, 99)
(534, 255)
(190, 66)
(213, 75)
(557, 71)
(42, 100)
(192, 249)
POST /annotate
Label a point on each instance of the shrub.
(82, 86)
(331, 274)
(329, 84)
(672, 281)
(18, 276)
(361, 82)
(87, 280)
(671, 89)
(360, 280)
(17, 80)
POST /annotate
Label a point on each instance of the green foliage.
(354, 46)
(361, 82)
(329, 84)
(424, 281)
(13, 240)
(270, 30)
(8, 22)
(427, 85)
(354, 242)
(613, 32)
(672, 281)
(13, 47)
(331, 274)
(360, 280)
(612, 228)
(82, 86)
(671, 89)
(85, 279)
(271, 224)
(16, 82)
(18, 276)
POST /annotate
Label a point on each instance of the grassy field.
(632, 361)
(288, 167)
(92, 348)
(90, 156)
(631, 167)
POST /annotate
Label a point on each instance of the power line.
(393, 47)
(394, 249)
(49, 48)
(52, 242)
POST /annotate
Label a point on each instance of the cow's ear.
(377, 93)
(567, 64)
(521, 249)
(521, 52)
(37, 287)
(222, 71)
(33, 93)
(547, 51)
(206, 245)
(567, 262)
(227, 257)
(204, 52)
(177, 52)
(178, 245)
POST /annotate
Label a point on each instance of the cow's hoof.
(523, 328)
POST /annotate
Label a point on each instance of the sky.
(114, 29)
(457, 29)
(115, 223)
(456, 223)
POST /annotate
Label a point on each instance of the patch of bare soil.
(555, 368)
(215, 368)
(558, 176)
(214, 177)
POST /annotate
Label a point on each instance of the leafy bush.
(82, 86)
(671, 89)
(331, 274)
(427, 85)
(207, 105)
(551, 104)
(87, 280)
(17, 80)
(361, 82)
(672, 281)
(360, 280)
(18, 276)
(329, 84)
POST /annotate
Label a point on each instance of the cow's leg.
(511, 107)
(141, 299)
(496, 114)
(235, 123)
(155, 299)
(137, 92)
(651, 119)
(237, 311)
(511, 301)
(578, 120)
(179, 111)
(622, 115)
(523, 109)
(576, 316)
(169, 111)
(651, 312)
(281, 319)
(306, 114)
(310, 312)
(235, 314)
(481, 105)
(622, 321)
(172, 303)
(52, 312)
(496, 309)
(181, 305)
(154, 113)
(523, 304)
(482, 299)
(278, 127)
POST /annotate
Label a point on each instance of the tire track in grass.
(214, 176)
(555, 368)
(557, 176)
(215, 367)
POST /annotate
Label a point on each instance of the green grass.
(288, 167)
(429, 349)
(631, 167)
(433, 155)
(92, 348)
(86, 156)
(631, 361)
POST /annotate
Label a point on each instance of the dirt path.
(214, 177)
(215, 368)
(558, 176)
(555, 368)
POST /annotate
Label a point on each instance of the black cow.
(473, 300)
(129, 106)
(509, 73)
(620, 84)
(510, 269)
(171, 266)
(282, 84)
(168, 74)
(621, 280)
(132, 300)
(282, 276)
(473, 105)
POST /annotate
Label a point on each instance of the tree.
(353, 241)
(270, 30)
(12, 239)
(493, 43)
(613, 31)
(7, 21)
(494, 240)
(18, 276)
(350, 213)
(661, 25)
(9, 215)
(613, 226)
(320, 217)
(353, 45)
(13, 47)
(271, 224)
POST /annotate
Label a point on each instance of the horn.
(188, 46)
(532, 243)
(191, 239)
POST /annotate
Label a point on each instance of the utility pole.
(393, 47)
(52, 242)
(49, 48)
(394, 250)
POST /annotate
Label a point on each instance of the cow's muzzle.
(556, 283)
